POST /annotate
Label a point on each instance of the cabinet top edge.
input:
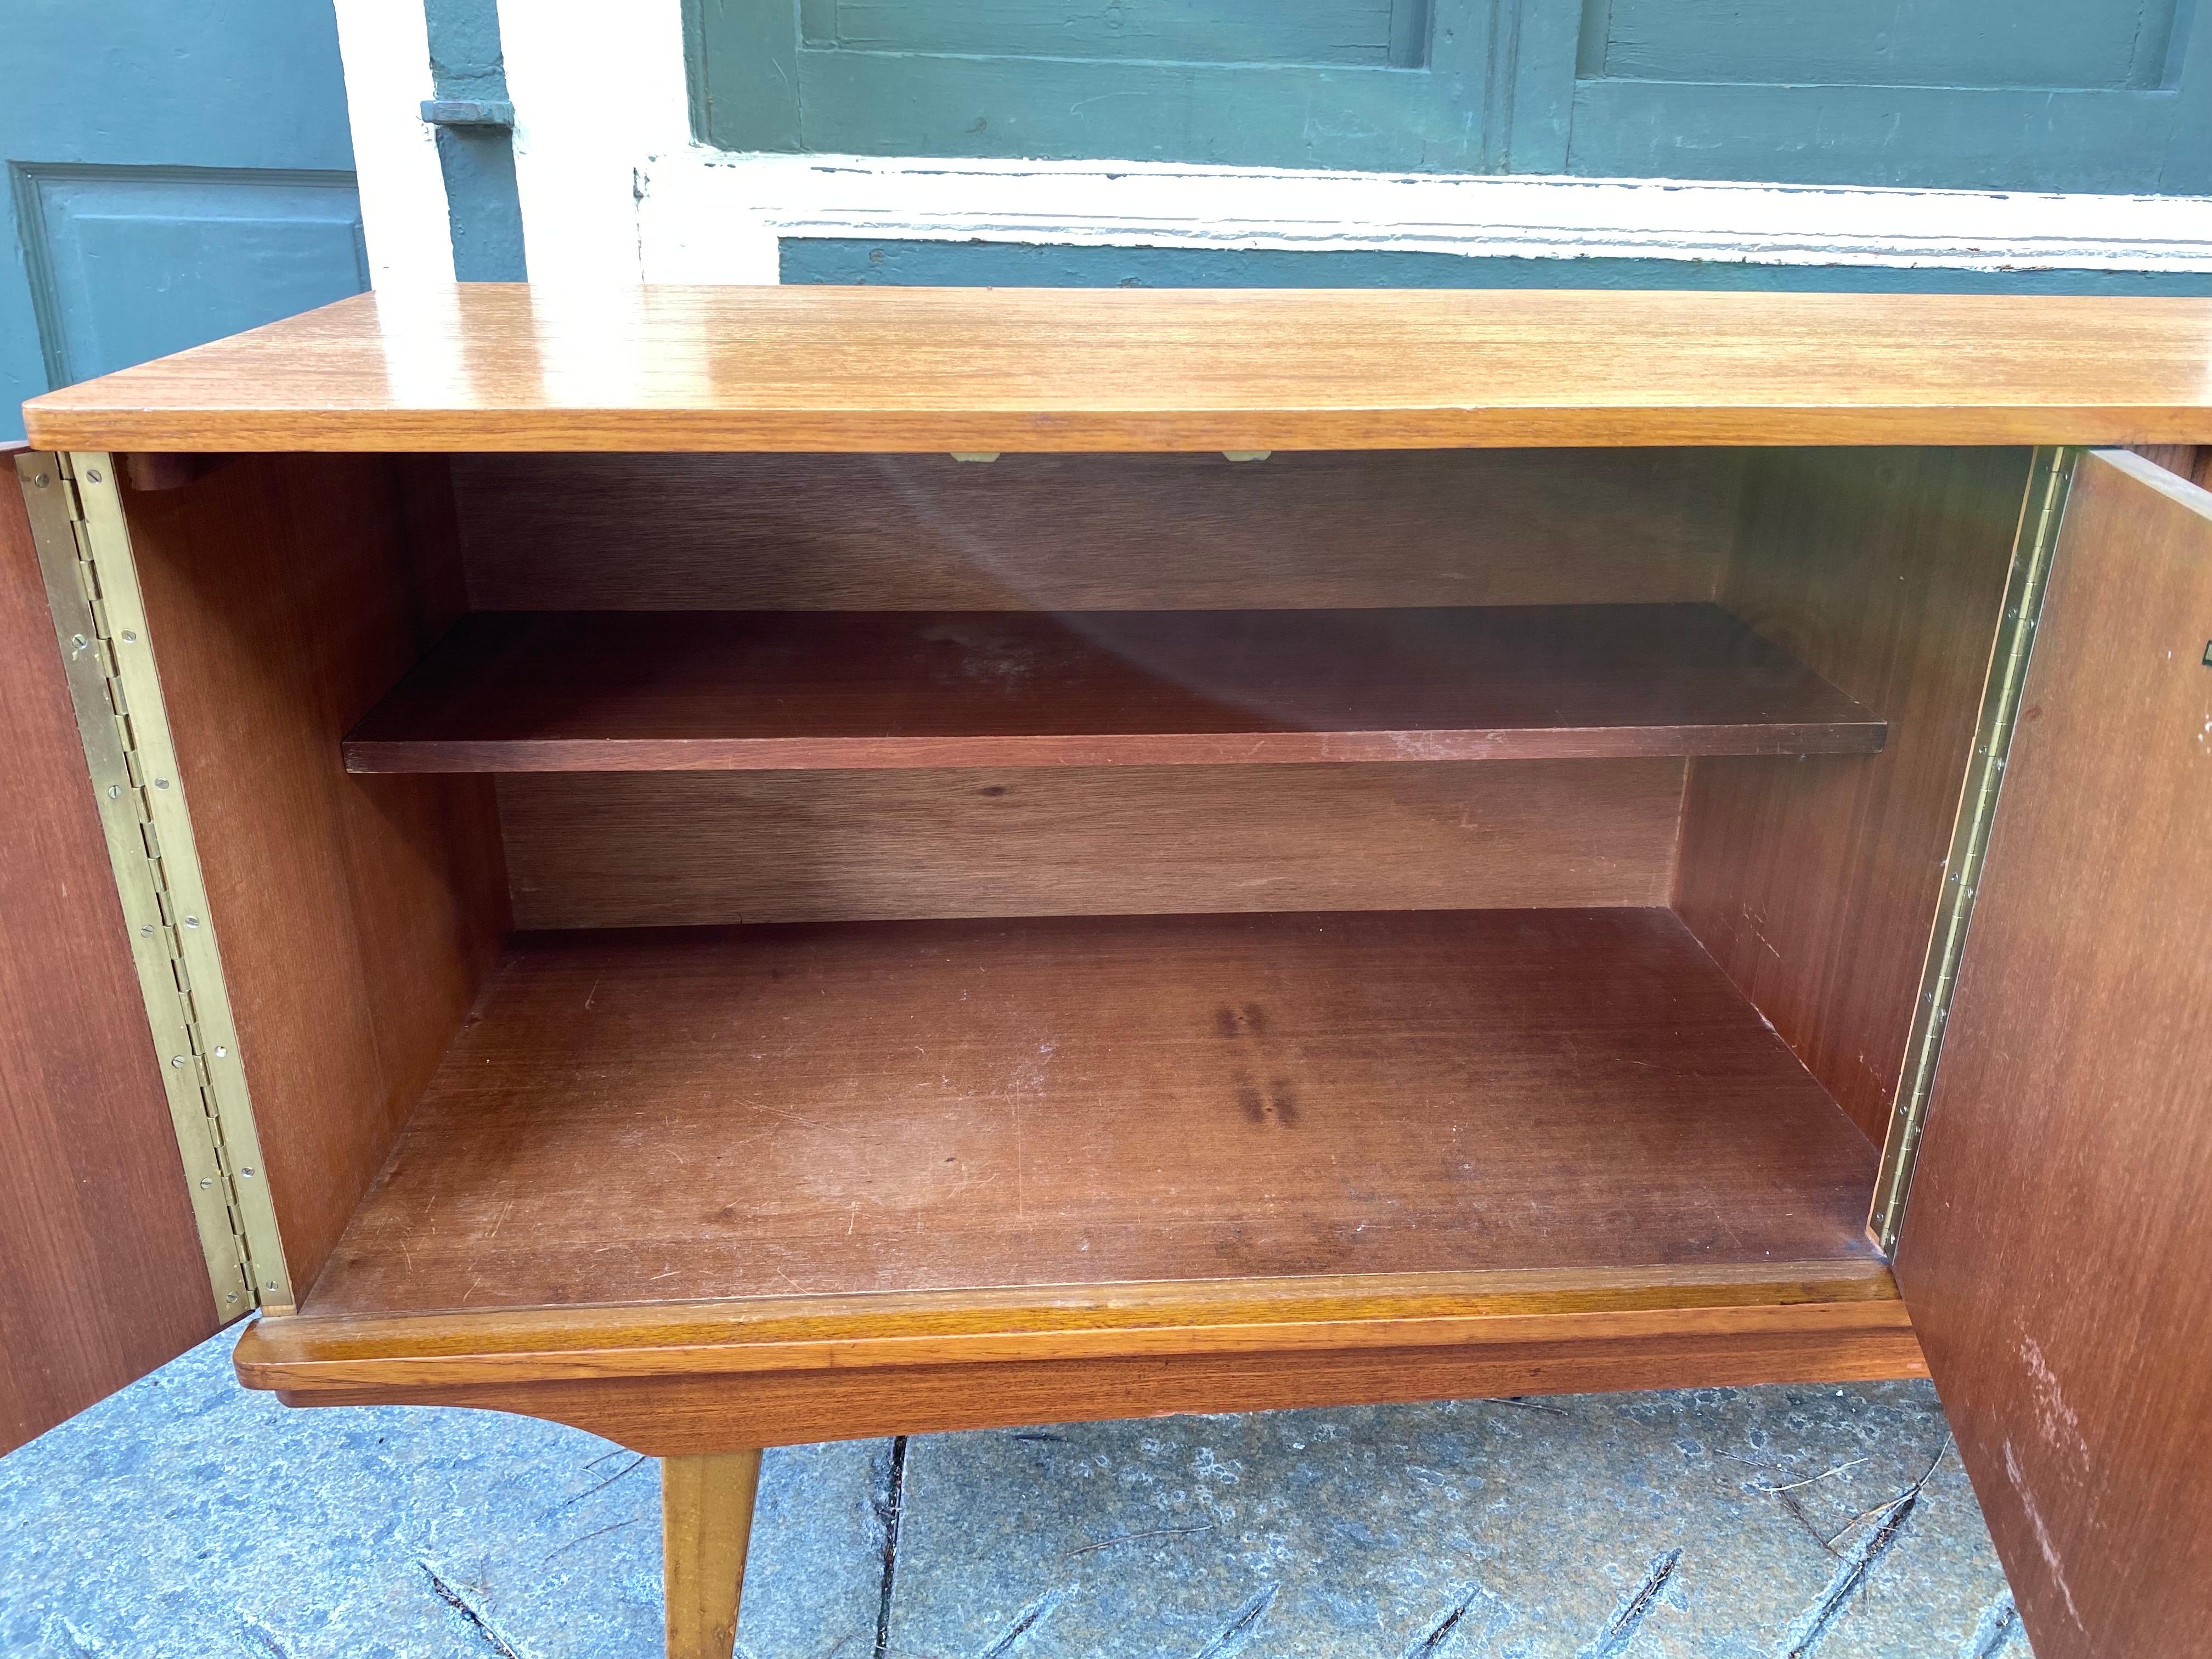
(487, 367)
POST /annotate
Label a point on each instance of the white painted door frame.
(614, 189)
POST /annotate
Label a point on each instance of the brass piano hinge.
(92, 587)
(2042, 510)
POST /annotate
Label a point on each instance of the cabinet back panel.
(356, 916)
(625, 850)
(1814, 882)
(1096, 532)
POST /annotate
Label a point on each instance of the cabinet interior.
(683, 877)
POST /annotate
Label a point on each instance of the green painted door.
(2034, 94)
(177, 170)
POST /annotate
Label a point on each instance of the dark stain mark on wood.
(1249, 1100)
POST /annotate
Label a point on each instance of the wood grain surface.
(1094, 532)
(706, 1525)
(1815, 885)
(634, 691)
(700, 1377)
(651, 849)
(101, 1276)
(2060, 1222)
(494, 366)
(873, 1107)
(357, 915)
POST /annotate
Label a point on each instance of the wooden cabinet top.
(500, 367)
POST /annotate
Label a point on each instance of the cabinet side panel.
(1814, 882)
(2060, 1221)
(102, 1276)
(1094, 532)
(357, 915)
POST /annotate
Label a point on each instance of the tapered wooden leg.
(706, 1521)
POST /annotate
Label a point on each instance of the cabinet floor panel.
(715, 690)
(704, 1114)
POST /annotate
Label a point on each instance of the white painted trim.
(698, 208)
(386, 49)
(593, 96)
(612, 186)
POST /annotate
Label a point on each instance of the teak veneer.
(487, 366)
(711, 690)
(1469, 900)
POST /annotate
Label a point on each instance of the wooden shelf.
(968, 1108)
(701, 691)
(486, 366)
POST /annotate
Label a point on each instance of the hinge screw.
(115, 792)
(38, 479)
(231, 1297)
(93, 474)
(191, 921)
(220, 1053)
(130, 638)
(247, 1174)
(146, 931)
(206, 1181)
(270, 1285)
(161, 783)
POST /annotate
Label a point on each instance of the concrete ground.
(188, 1518)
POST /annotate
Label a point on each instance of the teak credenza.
(732, 866)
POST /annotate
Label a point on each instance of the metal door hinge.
(92, 587)
(2041, 514)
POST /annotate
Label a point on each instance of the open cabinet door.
(2057, 1250)
(102, 1276)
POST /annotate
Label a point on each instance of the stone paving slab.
(1656, 1526)
(187, 1516)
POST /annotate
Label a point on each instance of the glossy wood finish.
(2060, 1218)
(357, 915)
(1094, 532)
(1815, 885)
(957, 1106)
(494, 366)
(101, 1276)
(706, 1524)
(598, 850)
(687, 1379)
(639, 691)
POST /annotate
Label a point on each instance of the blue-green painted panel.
(2028, 95)
(202, 86)
(132, 262)
(1369, 31)
(1934, 137)
(1882, 42)
(1009, 264)
(1224, 84)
